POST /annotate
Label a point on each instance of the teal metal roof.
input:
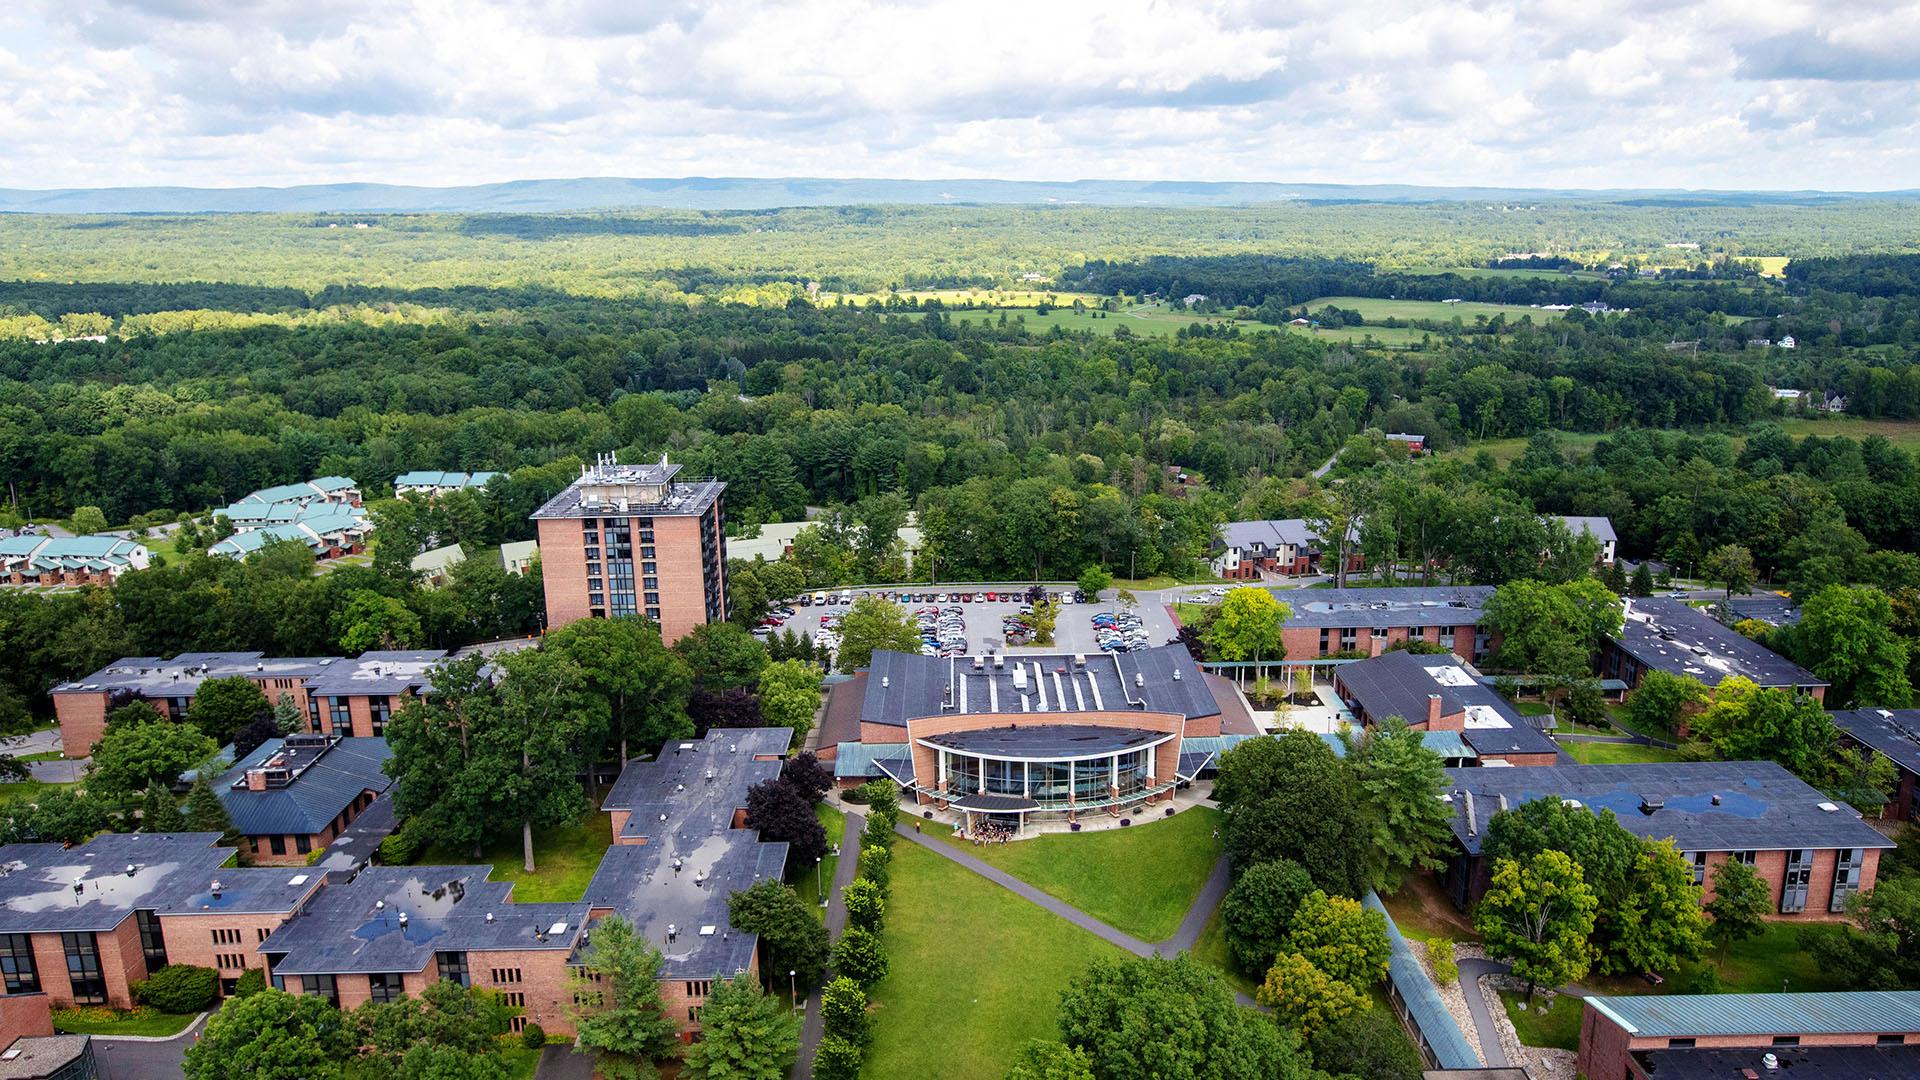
(1420, 998)
(1448, 744)
(856, 761)
(1863, 1012)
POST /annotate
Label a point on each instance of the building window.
(16, 964)
(1793, 895)
(1379, 633)
(452, 967)
(278, 844)
(1745, 858)
(1890, 1040)
(342, 717)
(515, 998)
(320, 986)
(381, 708)
(152, 945)
(1699, 867)
(303, 844)
(228, 987)
(1786, 1040)
(1680, 1044)
(83, 969)
(1349, 638)
(504, 976)
(517, 1024)
(1846, 877)
(384, 988)
(1416, 633)
(1324, 635)
(699, 988)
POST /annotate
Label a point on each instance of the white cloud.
(1719, 93)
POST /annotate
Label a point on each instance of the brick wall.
(121, 961)
(545, 984)
(83, 719)
(1603, 1047)
(23, 1016)
(563, 566)
(1303, 642)
(190, 939)
(683, 598)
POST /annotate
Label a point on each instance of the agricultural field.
(1373, 309)
(1147, 319)
(1904, 434)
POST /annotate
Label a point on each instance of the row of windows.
(1799, 876)
(226, 937)
(17, 966)
(278, 845)
(230, 961)
(504, 976)
(699, 988)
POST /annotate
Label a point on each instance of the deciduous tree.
(224, 705)
(1340, 937)
(1258, 910)
(744, 1035)
(129, 759)
(1399, 782)
(791, 939)
(272, 1035)
(1740, 905)
(1306, 998)
(1538, 916)
(645, 683)
(1154, 1019)
(1291, 798)
(617, 1012)
(872, 624)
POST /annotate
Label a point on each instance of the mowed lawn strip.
(1599, 753)
(812, 879)
(1140, 879)
(975, 972)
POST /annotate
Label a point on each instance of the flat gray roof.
(1893, 732)
(682, 498)
(181, 676)
(1700, 805)
(38, 893)
(907, 686)
(395, 918)
(1671, 636)
(326, 779)
(1452, 605)
(1399, 683)
(388, 672)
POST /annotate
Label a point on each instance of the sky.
(1745, 94)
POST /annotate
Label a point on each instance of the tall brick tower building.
(635, 540)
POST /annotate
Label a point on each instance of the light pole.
(818, 886)
(793, 989)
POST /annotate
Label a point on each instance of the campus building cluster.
(1663, 634)
(635, 540)
(32, 559)
(1293, 547)
(1371, 622)
(433, 484)
(326, 515)
(339, 696)
(81, 925)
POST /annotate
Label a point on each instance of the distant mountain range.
(743, 193)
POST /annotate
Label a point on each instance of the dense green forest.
(277, 348)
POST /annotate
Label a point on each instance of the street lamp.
(793, 989)
(817, 885)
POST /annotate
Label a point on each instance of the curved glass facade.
(1052, 784)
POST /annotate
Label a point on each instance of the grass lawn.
(1140, 880)
(1374, 309)
(1507, 272)
(27, 789)
(1392, 337)
(1212, 949)
(975, 972)
(1558, 1027)
(565, 857)
(1767, 964)
(102, 1021)
(1143, 320)
(835, 823)
(1593, 753)
(1904, 434)
(1188, 614)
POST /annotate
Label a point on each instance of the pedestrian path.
(812, 1027)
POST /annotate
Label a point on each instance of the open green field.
(564, 859)
(1391, 337)
(1374, 309)
(1904, 434)
(975, 972)
(1141, 879)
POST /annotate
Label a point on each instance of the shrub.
(873, 866)
(866, 907)
(836, 1059)
(1440, 959)
(252, 981)
(404, 844)
(533, 1037)
(1705, 980)
(858, 796)
(860, 956)
(179, 988)
(843, 1011)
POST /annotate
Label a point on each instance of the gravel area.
(1451, 993)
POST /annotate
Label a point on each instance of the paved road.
(1324, 469)
(1195, 922)
(811, 1028)
(34, 742)
(561, 1063)
(144, 1059)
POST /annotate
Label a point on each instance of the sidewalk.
(811, 1028)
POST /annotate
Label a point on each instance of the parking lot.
(982, 619)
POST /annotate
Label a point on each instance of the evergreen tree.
(617, 1010)
(160, 812)
(744, 1035)
(206, 813)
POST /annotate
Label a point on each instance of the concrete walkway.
(145, 1057)
(812, 1027)
(1195, 921)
